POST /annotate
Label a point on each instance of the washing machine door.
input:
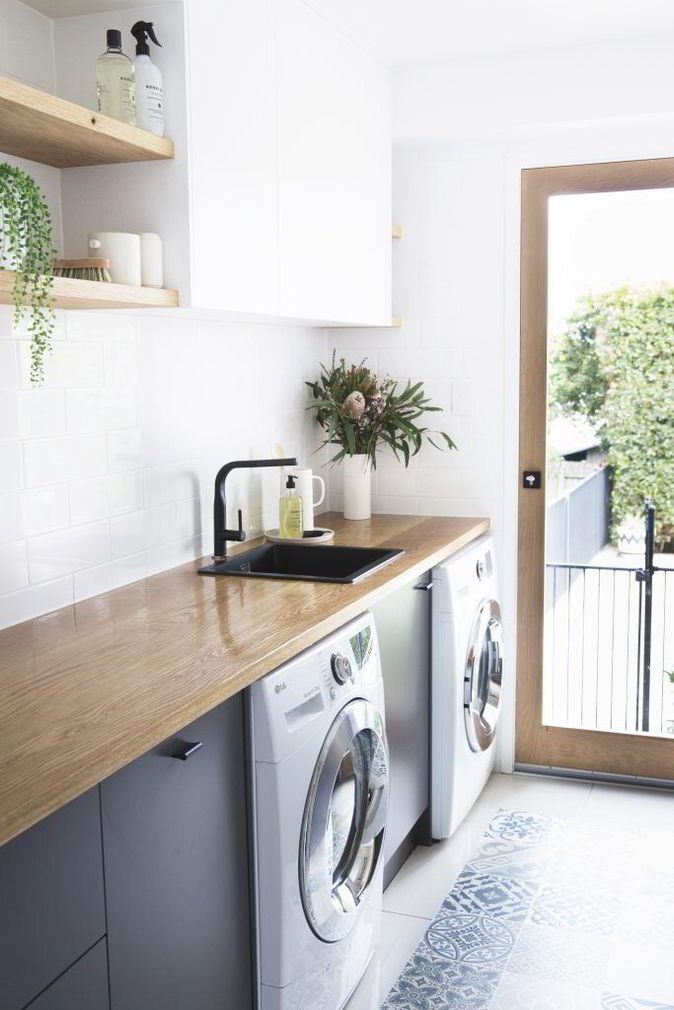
(483, 676)
(344, 820)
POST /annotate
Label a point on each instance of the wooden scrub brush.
(88, 269)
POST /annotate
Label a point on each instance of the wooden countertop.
(88, 688)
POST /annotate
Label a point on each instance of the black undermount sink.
(320, 563)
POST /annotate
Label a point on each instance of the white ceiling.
(404, 31)
(70, 8)
(407, 31)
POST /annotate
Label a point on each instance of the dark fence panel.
(577, 525)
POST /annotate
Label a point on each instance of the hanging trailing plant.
(26, 246)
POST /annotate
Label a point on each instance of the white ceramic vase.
(357, 485)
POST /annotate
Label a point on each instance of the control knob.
(341, 668)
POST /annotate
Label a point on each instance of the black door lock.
(531, 479)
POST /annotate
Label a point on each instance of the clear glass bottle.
(115, 84)
(291, 512)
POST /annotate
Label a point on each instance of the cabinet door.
(233, 161)
(334, 141)
(82, 987)
(52, 907)
(403, 622)
(176, 870)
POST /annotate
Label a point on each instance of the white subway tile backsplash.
(6, 313)
(121, 364)
(106, 471)
(45, 509)
(171, 483)
(52, 460)
(11, 467)
(11, 517)
(105, 496)
(142, 530)
(124, 450)
(103, 578)
(41, 412)
(9, 414)
(35, 600)
(70, 365)
(102, 327)
(9, 364)
(170, 555)
(13, 567)
(67, 551)
(100, 409)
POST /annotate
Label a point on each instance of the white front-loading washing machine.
(320, 785)
(466, 680)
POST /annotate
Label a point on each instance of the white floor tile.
(535, 794)
(632, 806)
(400, 935)
(640, 970)
(430, 872)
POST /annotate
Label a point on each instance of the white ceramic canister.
(151, 260)
(122, 248)
(357, 485)
(305, 489)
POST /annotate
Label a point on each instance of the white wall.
(501, 94)
(475, 125)
(106, 473)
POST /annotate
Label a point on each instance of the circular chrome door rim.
(481, 720)
(331, 906)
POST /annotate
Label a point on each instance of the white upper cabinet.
(278, 202)
(334, 171)
(233, 155)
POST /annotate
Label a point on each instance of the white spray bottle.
(149, 89)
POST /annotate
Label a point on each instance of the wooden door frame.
(536, 744)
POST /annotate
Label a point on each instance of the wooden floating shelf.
(40, 127)
(69, 293)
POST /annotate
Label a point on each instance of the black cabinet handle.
(185, 749)
(425, 587)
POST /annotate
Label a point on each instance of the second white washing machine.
(466, 682)
(320, 785)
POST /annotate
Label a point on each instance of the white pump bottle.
(149, 86)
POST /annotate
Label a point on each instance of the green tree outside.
(614, 365)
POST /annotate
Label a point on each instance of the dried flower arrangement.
(361, 413)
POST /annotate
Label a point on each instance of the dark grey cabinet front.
(51, 899)
(176, 868)
(82, 987)
(403, 622)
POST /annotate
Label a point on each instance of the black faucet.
(220, 532)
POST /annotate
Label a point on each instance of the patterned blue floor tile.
(427, 984)
(553, 954)
(510, 859)
(611, 1001)
(473, 939)
(500, 897)
(525, 828)
(576, 911)
(519, 992)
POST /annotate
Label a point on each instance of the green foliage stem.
(361, 413)
(26, 246)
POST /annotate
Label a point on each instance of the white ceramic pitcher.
(305, 489)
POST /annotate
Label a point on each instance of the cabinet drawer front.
(82, 987)
(52, 906)
(176, 871)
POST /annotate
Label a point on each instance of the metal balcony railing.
(609, 645)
